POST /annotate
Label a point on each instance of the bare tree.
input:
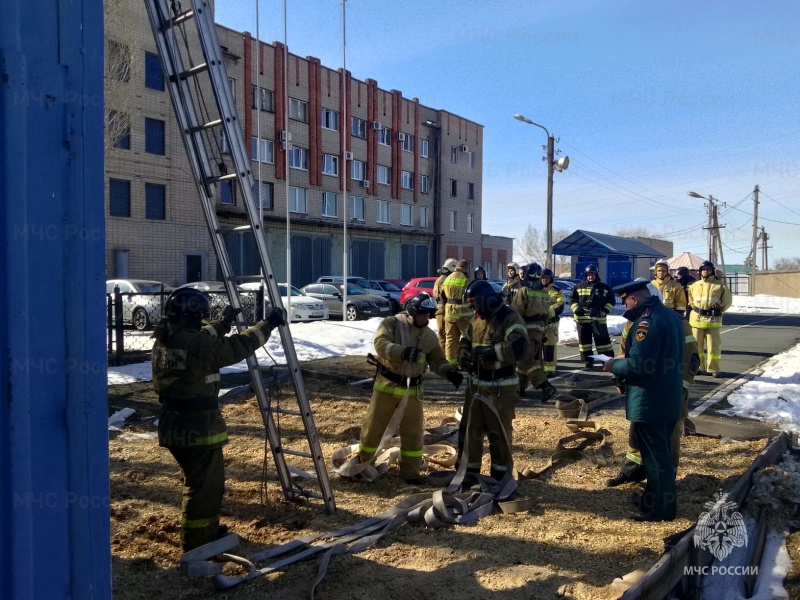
(633, 232)
(120, 35)
(532, 246)
(787, 264)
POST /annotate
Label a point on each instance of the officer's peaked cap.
(629, 288)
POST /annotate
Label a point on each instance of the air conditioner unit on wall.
(401, 137)
(365, 183)
(286, 145)
(464, 149)
(376, 126)
(348, 156)
(286, 136)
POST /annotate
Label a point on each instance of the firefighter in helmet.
(489, 350)
(709, 298)
(550, 344)
(590, 301)
(514, 279)
(671, 291)
(448, 267)
(406, 348)
(186, 360)
(457, 312)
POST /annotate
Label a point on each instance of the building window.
(298, 200)
(155, 197)
(266, 195)
(471, 160)
(153, 75)
(357, 207)
(407, 180)
(408, 143)
(118, 61)
(423, 216)
(119, 130)
(330, 119)
(263, 99)
(454, 154)
(385, 136)
(262, 150)
(406, 214)
(298, 158)
(423, 148)
(232, 86)
(470, 222)
(358, 170)
(453, 187)
(328, 204)
(154, 136)
(330, 164)
(298, 110)
(384, 174)
(471, 191)
(227, 193)
(452, 220)
(358, 128)
(119, 198)
(423, 184)
(383, 211)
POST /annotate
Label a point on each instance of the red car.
(415, 286)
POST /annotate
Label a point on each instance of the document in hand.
(600, 357)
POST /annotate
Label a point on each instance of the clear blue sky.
(650, 99)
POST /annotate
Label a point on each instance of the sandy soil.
(573, 542)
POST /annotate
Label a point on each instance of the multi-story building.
(408, 183)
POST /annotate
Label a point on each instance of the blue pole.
(54, 486)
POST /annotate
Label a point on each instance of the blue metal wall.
(54, 489)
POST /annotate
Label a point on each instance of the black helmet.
(481, 296)
(187, 306)
(533, 269)
(590, 269)
(477, 270)
(422, 303)
(682, 272)
(547, 273)
(707, 264)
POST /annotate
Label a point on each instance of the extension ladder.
(175, 40)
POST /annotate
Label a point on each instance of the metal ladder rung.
(286, 411)
(231, 228)
(218, 178)
(205, 126)
(190, 72)
(179, 18)
(246, 278)
(297, 453)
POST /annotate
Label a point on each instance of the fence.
(130, 318)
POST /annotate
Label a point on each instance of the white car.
(303, 308)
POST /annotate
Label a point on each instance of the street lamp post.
(714, 242)
(552, 166)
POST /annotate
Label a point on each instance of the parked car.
(303, 308)
(384, 287)
(415, 286)
(360, 303)
(141, 300)
(218, 296)
(400, 283)
(359, 281)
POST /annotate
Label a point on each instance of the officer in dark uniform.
(653, 373)
(590, 301)
(186, 362)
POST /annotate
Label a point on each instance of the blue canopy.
(587, 243)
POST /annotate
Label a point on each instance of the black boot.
(629, 473)
(549, 391)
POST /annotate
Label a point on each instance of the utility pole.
(753, 251)
(764, 239)
(550, 167)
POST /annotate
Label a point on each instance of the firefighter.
(709, 298)
(448, 267)
(685, 279)
(510, 286)
(186, 360)
(670, 290)
(590, 301)
(632, 470)
(479, 273)
(550, 347)
(406, 347)
(489, 350)
(532, 302)
(457, 313)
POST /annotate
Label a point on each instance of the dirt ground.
(574, 541)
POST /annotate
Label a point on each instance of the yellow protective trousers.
(453, 332)
(483, 422)
(530, 368)
(709, 347)
(550, 348)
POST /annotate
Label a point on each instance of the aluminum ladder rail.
(170, 30)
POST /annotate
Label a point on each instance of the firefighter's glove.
(275, 317)
(596, 313)
(484, 353)
(464, 359)
(229, 315)
(551, 312)
(580, 312)
(411, 354)
(455, 378)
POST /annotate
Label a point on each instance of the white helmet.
(512, 265)
(449, 265)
